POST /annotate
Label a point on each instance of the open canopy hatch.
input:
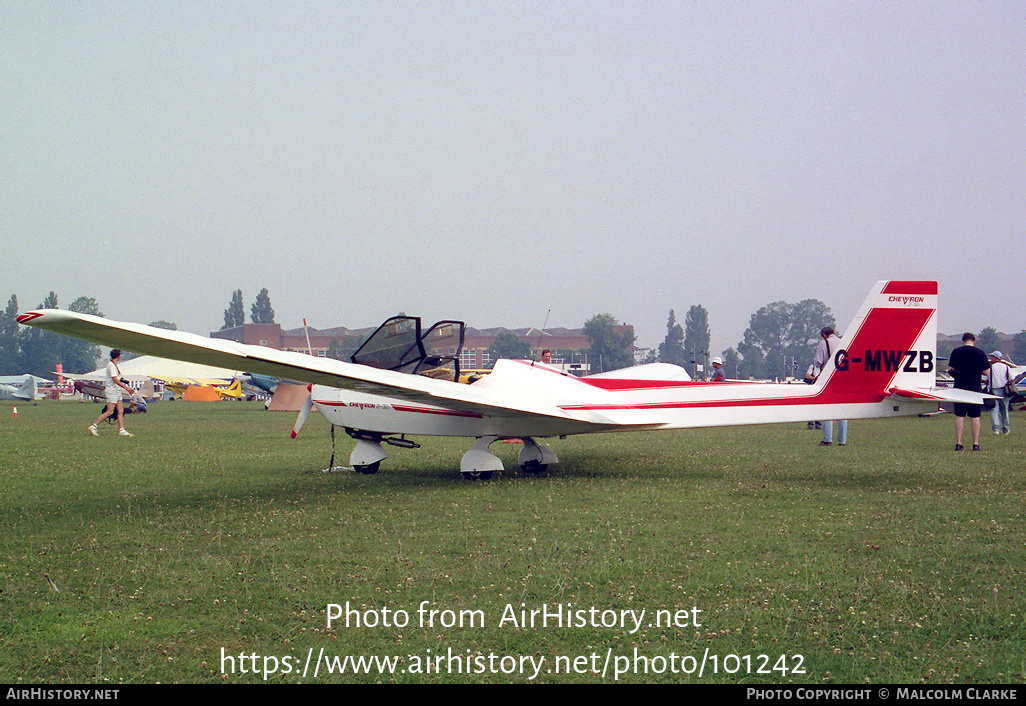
(400, 344)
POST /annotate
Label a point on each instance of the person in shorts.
(112, 387)
(966, 365)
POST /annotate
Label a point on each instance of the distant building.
(272, 336)
(252, 334)
(568, 346)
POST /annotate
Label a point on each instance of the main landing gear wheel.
(369, 468)
(477, 475)
(479, 463)
(535, 458)
(533, 467)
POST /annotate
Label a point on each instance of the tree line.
(25, 349)
(778, 342)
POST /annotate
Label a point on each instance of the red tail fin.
(891, 343)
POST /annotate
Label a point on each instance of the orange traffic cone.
(15, 412)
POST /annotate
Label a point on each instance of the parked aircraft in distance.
(178, 387)
(404, 381)
(26, 392)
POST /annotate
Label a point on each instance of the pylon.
(15, 412)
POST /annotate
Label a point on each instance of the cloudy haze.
(493, 161)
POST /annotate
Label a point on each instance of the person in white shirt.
(112, 387)
(827, 348)
(1000, 375)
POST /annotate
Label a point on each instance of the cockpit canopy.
(400, 344)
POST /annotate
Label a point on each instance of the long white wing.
(179, 345)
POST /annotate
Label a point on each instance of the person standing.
(112, 388)
(966, 365)
(826, 349)
(1000, 375)
(717, 373)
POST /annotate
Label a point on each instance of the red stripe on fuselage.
(415, 410)
(621, 385)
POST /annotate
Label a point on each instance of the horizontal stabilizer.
(942, 394)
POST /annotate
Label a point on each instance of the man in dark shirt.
(966, 365)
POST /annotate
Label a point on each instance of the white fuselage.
(603, 405)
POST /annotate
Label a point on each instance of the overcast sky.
(493, 161)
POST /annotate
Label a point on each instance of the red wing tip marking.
(31, 316)
(293, 434)
(913, 394)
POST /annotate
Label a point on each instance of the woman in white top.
(113, 387)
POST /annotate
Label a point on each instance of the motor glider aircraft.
(404, 381)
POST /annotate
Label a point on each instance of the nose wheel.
(368, 468)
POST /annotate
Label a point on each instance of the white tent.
(163, 369)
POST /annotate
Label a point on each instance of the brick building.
(568, 345)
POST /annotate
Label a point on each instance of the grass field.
(209, 548)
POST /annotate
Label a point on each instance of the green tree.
(752, 361)
(780, 335)
(9, 346)
(671, 350)
(988, 340)
(166, 325)
(1019, 350)
(235, 314)
(344, 347)
(507, 345)
(612, 343)
(40, 350)
(696, 336)
(334, 350)
(944, 348)
(261, 311)
(80, 356)
(732, 363)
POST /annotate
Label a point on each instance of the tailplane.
(28, 388)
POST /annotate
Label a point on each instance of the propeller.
(304, 412)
